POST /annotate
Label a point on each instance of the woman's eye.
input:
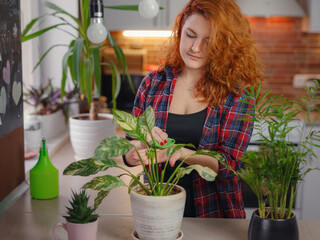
(190, 36)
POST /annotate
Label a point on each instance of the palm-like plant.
(275, 171)
(82, 58)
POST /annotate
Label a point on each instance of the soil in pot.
(87, 118)
(173, 192)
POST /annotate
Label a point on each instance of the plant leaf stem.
(174, 173)
(136, 179)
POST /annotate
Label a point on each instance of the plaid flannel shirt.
(223, 131)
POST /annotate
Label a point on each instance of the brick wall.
(285, 51)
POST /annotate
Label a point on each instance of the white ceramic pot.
(158, 218)
(86, 135)
(53, 124)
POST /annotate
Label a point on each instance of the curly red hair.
(233, 61)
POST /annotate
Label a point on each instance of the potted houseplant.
(158, 206)
(82, 222)
(275, 171)
(83, 60)
(51, 112)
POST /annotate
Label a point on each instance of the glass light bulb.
(148, 8)
(97, 32)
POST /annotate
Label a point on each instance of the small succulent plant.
(80, 212)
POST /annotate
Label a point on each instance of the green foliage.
(80, 212)
(46, 99)
(114, 147)
(275, 170)
(82, 58)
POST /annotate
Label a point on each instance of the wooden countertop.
(30, 219)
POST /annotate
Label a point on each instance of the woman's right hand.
(160, 136)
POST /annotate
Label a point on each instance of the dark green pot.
(273, 229)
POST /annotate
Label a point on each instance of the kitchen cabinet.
(311, 23)
(117, 20)
(310, 194)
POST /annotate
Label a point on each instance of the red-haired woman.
(195, 95)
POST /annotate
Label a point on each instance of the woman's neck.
(191, 77)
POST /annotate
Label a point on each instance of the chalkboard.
(11, 99)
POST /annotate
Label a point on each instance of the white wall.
(33, 49)
(29, 49)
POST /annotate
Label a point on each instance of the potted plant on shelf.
(275, 171)
(49, 110)
(83, 60)
(82, 222)
(158, 206)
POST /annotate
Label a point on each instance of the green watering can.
(44, 177)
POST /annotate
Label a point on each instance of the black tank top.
(185, 128)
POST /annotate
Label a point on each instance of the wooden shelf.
(136, 60)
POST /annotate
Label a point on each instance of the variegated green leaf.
(129, 124)
(141, 133)
(105, 183)
(217, 156)
(105, 162)
(126, 121)
(147, 119)
(112, 147)
(84, 167)
(205, 172)
(101, 195)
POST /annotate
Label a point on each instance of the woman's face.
(194, 41)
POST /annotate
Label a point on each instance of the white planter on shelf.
(32, 139)
(53, 124)
(32, 132)
(158, 218)
(86, 135)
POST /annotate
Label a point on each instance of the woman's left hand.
(161, 156)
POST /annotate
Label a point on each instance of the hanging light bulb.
(148, 8)
(96, 32)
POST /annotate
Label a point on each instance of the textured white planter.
(158, 218)
(52, 124)
(85, 135)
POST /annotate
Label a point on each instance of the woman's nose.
(196, 46)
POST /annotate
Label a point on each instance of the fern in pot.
(276, 170)
(82, 222)
(82, 59)
(158, 206)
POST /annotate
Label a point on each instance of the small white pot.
(53, 124)
(78, 231)
(86, 135)
(158, 218)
